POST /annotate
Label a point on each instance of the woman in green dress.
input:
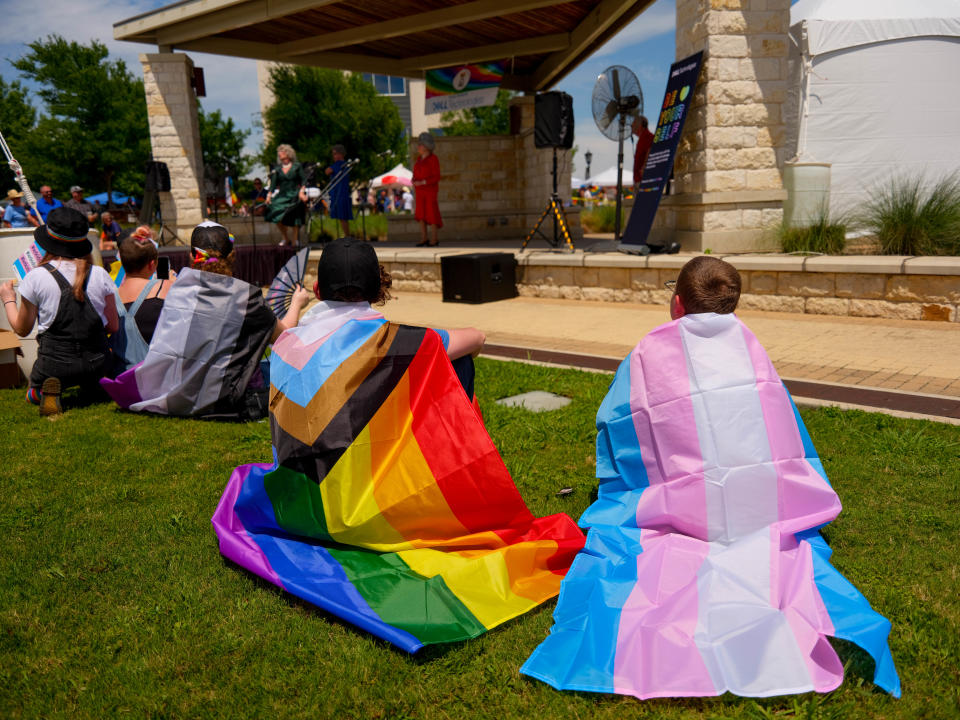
(286, 195)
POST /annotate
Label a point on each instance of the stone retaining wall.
(866, 286)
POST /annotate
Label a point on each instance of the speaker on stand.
(157, 180)
(553, 128)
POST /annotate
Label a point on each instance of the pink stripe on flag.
(659, 381)
(294, 352)
(656, 653)
(805, 498)
(794, 592)
(235, 543)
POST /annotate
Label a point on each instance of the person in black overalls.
(73, 300)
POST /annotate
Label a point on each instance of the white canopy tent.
(398, 175)
(874, 91)
(608, 178)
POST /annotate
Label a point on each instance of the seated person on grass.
(141, 297)
(387, 503)
(71, 301)
(204, 357)
(704, 570)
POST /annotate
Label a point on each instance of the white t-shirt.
(40, 288)
(407, 200)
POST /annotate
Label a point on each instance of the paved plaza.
(900, 355)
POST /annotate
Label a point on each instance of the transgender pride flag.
(704, 571)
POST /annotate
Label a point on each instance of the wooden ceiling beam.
(420, 22)
(209, 17)
(599, 23)
(267, 51)
(496, 51)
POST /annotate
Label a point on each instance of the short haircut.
(643, 121)
(708, 284)
(136, 251)
(290, 152)
(339, 150)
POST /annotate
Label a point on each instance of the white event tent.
(608, 178)
(398, 175)
(874, 90)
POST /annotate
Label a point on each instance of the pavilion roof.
(540, 40)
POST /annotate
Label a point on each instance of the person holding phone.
(140, 297)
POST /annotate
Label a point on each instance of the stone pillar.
(728, 189)
(175, 138)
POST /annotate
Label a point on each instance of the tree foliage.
(94, 132)
(316, 108)
(17, 120)
(491, 120)
(222, 143)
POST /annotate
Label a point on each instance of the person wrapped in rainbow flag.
(704, 571)
(387, 503)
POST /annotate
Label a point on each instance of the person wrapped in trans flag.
(704, 571)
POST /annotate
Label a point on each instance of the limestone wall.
(864, 286)
(728, 169)
(175, 137)
(493, 186)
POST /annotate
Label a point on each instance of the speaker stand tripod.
(554, 209)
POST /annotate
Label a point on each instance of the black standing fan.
(617, 102)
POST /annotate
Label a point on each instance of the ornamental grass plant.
(915, 216)
(824, 234)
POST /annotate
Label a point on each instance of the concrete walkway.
(890, 355)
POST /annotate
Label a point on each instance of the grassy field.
(115, 601)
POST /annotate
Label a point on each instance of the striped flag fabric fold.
(704, 571)
(387, 504)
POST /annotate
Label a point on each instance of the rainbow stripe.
(388, 504)
(440, 82)
(704, 571)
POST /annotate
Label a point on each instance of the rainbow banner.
(462, 87)
(704, 571)
(387, 504)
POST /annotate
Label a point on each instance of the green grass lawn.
(115, 600)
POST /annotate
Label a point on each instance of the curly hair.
(288, 149)
(212, 248)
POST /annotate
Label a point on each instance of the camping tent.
(874, 91)
(398, 175)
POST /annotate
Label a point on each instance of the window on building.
(387, 84)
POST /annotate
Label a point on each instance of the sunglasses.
(670, 284)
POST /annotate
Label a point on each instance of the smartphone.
(163, 268)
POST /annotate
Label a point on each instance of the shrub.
(602, 218)
(821, 236)
(913, 216)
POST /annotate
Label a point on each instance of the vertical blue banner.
(666, 138)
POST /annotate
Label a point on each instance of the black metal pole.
(553, 198)
(616, 225)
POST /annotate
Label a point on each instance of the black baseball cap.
(348, 262)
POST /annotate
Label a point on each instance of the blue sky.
(646, 46)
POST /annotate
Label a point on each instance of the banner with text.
(666, 138)
(463, 87)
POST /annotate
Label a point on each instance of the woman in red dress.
(426, 182)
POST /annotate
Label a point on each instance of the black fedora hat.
(65, 233)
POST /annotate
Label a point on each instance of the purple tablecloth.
(257, 265)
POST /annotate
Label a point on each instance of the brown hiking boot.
(50, 398)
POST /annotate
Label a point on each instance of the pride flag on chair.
(387, 504)
(704, 571)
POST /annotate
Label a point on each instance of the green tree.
(17, 120)
(316, 108)
(94, 132)
(222, 143)
(491, 120)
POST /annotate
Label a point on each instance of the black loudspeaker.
(478, 277)
(158, 177)
(553, 123)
